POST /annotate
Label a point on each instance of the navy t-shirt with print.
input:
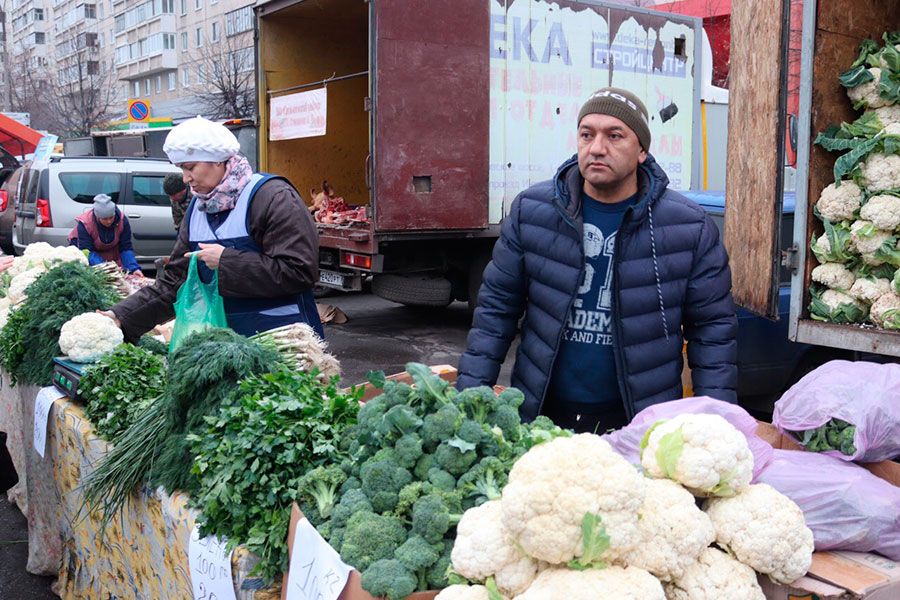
(584, 374)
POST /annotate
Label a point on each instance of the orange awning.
(17, 139)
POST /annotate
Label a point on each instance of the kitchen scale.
(66, 376)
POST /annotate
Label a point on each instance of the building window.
(198, 4)
(184, 7)
(186, 77)
(146, 87)
(100, 10)
(168, 6)
(39, 37)
(168, 41)
(39, 14)
(158, 84)
(90, 11)
(100, 39)
(137, 89)
(201, 74)
(239, 21)
(184, 41)
(125, 89)
(215, 31)
(199, 41)
(172, 81)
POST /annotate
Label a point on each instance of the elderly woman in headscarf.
(252, 228)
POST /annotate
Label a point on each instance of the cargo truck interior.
(324, 40)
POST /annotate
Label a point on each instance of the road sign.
(138, 111)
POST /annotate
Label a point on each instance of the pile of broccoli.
(420, 456)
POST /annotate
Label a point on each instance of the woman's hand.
(210, 254)
(111, 315)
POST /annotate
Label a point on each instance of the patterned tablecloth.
(143, 554)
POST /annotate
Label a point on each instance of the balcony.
(158, 62)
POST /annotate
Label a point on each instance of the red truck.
(434, 115)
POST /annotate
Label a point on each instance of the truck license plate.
(331, 278)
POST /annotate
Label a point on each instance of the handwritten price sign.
(317, 571)
(42, 405)
(210, 564)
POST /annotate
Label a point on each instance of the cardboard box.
(353, 590)
(838, 575)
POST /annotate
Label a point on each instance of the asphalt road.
(379, 335)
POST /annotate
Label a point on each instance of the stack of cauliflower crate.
(857, 279)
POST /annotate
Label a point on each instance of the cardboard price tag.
(42, 404)
(317, 571)
(210, 565)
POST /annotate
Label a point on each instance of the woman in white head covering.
(253, 229)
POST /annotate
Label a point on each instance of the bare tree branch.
(228, 88)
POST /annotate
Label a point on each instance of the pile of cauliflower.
(88, 337)
(577, 521)
(857, 279)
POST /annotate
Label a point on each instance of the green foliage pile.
(268, 441)
(121, 386)
(30, 341)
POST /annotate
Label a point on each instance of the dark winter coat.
(671, 282)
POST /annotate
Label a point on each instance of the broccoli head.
(439, 426)
(408, 449)
(484, 480)
(441, 479)
(398, 421)
(351, 502)
(423, 465)
(408, 496)
(471, 431)
(319, 487)
(369, 537)
(350, 483)
(382, 480)
(389, 578)
(477, 402)
(455, 456)
(507, 418)
(437, 573)
(431, 518)
(418, 556)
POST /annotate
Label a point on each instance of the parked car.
(54, 194)
(9, 190)
(768, 362)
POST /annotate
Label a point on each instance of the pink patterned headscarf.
(225, 195)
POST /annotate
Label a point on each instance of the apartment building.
(172, 53)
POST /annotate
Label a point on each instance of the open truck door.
(831, 34)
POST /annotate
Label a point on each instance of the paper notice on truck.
(299, 115)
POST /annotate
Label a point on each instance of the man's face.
(608, 152)
(175, 198)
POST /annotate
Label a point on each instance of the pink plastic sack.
(864, 394)
(627, 441)
(846, 507)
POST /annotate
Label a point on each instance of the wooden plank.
(755, 152)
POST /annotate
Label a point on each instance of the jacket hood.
(568, 183)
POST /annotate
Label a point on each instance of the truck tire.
(413, 290)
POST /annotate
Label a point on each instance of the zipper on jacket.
(618, 354)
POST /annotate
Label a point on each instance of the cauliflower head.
(715, 576)
(885, 311)
(704, 453)
(834, 276)
(88, 337)
(839, 203)
(553, 485)
(837, 307)
(867, 238)
(765, 530)
(883, 211)
(869, 290)
(880, 172)
(628, 583)
(463, 592)
(888, 115)
(43, 255)
(674, 532)
(867, 94)
(483, 549)
(20, 283)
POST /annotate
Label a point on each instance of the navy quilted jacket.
(671, 282)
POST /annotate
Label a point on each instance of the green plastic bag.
(198, 306)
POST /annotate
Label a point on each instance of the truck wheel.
(476, 275)
(413, 290)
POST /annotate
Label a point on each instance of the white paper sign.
(42, 405)
(210, 565)
(299, 115)
(317, 571)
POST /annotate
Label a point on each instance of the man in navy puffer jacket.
(612, 272)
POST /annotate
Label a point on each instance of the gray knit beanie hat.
(104, 207)
(622, 105)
